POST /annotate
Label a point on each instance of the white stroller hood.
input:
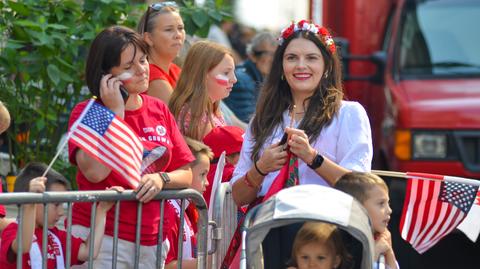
(308, 203)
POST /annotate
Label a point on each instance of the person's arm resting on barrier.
(151, 184)
(27, 230)
(100, 220)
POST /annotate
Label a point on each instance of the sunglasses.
(157, 7)
(260, 53)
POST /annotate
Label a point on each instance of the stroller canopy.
(308, 203)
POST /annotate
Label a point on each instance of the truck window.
(440, 38)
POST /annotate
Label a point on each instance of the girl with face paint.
(207, 78)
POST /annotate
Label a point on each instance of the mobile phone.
(284, 139)
(124, 93)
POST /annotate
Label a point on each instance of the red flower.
(324, 31)
(333, 48)
(300, 23)
(288, 32)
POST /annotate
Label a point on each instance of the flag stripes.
(433, 208)
(105, 137)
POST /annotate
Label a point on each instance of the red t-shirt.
(10, 233)
(3, 212)
(172, 77)
(160, 136)
(171, 225)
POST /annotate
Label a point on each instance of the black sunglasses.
(157, 7)
(260, 53)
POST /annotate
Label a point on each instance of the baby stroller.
(306, 203)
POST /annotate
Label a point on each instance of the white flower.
(328, 40)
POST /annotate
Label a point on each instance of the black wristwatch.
(316, 162)
(165, 178)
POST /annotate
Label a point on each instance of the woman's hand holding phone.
(111, 95)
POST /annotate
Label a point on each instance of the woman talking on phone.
(117, 60)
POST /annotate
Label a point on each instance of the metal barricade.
(94, 197)
(225, 218)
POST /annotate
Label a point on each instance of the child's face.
(55, 211)
(200, 171)
(378, 208)
(317, 256)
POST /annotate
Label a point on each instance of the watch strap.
(317, 162)
(165, 178)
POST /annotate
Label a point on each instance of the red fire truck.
(415, 67)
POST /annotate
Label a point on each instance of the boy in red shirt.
(230, 140)
(171, 222)
(30, 179)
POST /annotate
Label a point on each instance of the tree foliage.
(43, 47)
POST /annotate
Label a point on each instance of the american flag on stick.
(107, 138)
(434, 206)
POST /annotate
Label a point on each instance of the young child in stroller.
(319, 245)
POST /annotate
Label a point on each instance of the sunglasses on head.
(157, 7)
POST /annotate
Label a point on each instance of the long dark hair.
(323, 104)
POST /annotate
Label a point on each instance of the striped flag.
(108, 139)
(433, 208)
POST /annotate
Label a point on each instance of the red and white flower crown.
(303, 25)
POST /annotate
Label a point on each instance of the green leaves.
(197, 19)
(43, 48)
(53, 73)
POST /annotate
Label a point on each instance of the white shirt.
(347, 141)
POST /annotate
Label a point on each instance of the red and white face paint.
(222, 79)
(126, 77)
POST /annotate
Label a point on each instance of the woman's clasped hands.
(299, 145)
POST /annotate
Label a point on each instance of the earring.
(325, 75)
(282, 77)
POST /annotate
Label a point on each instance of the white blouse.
(347, 141)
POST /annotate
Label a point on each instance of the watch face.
(317, 161)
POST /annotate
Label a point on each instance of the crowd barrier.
(225, 223)
(96, 196)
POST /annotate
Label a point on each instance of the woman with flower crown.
(302, 102)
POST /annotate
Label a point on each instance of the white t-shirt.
(347, 141)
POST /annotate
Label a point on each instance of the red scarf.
(287, 177)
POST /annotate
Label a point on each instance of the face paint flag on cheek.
(125, 77)
(221, 79)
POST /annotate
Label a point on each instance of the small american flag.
(433, 208)
(108, 139)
